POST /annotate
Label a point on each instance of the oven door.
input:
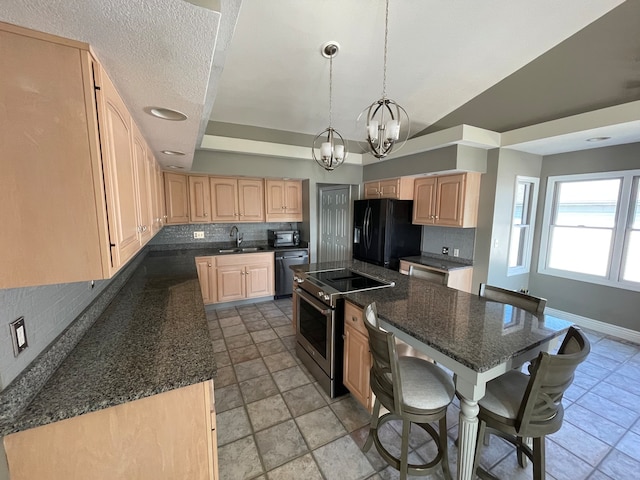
(316, 330)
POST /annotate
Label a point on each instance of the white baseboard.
(597, 325)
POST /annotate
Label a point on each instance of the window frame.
(532, 207)
(629, 181)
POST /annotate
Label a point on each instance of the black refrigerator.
(383, 233)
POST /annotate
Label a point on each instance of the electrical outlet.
(19, 336)
(445, 250)
(198, 234)
(456, 252)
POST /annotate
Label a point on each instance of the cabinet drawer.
(243, 259)
(354, 317)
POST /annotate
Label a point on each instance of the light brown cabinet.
(283, 200)
(237, 199)
(226, 278)
(460, 278)
(447, 200)
(357, 357)
(207, 277)
(157, 183)
(199, 199)
(162, 437)
(143, 186)
(400, 188)
(176, 190)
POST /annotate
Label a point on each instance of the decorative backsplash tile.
(217, 232)
(434, 238)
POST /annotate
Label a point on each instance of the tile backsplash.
(434, 238)
(217, 232)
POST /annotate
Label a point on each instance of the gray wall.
(220, 163)
(607, 304)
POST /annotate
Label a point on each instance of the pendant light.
(332, 147)
(385, 122)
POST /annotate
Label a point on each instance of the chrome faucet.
(234, 229)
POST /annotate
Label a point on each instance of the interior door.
(334, 226)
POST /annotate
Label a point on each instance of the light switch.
(19, 336)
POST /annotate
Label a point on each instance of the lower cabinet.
(460, 279)
(163, 437)
(226, 278)
(357, 358)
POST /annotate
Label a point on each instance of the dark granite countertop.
(475, 332)
(439, 262)
(152, 338)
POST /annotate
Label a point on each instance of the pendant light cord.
(386, 35)
(330, 88)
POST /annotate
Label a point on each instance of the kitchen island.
(476, 339)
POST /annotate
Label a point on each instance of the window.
(523, 219)
(592, 229)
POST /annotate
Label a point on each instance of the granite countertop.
(152, 338)
(213, 248)
(473, 331)
(441, 262)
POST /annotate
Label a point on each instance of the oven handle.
(319, 306)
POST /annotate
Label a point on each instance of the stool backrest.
(385, 373)
(541, 411)
(434, 276)
(518, 299)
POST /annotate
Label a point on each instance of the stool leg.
(444, 447)
(539, 466)
(373, 429)
(404, 451)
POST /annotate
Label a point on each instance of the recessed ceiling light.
(177, 167)
(166, 113)
(172, 152)
(597, 139)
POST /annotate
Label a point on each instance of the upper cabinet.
(71, 190)
(399, 188)
(284, 200)
(447, 200)
(176, 191)
(237, 199)
(199, 199)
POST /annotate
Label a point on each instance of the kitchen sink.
(240, 250)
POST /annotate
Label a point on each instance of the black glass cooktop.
(346, 280)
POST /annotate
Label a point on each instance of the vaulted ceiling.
(254, 68)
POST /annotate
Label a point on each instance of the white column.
(467, 436)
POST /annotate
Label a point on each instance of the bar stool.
(518, 299)
(412, 390)
(517, 406)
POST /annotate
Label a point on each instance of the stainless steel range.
(320, 320)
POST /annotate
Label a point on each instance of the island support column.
(468, 426)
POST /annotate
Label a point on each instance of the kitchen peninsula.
(135, 394)
(476, 339)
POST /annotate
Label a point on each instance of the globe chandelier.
(329, 143)
(385, 123)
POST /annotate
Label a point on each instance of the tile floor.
(274, 422)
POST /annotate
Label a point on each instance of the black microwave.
(284, 238)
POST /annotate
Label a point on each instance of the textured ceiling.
(157, 52)
(441, 55)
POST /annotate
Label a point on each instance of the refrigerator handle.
(367, 231)
(356, 235)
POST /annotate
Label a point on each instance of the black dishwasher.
(284, 275)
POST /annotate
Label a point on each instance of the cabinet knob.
(242, 272)
(208, 264)
(206, 214)
(436, 217)
(355, 319)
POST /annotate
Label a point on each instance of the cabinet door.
(224, 199)
(293, 206)
(204, 266)
(251, 200)
(230, 283)
(372, 190)
(357, 364)
(449, 200)
(162, 210)
(259, 279)
(199, 199)
(119, 170)
(276, 199)
(390, 188)
(176, 198)
(424, 201)
(142, 169)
